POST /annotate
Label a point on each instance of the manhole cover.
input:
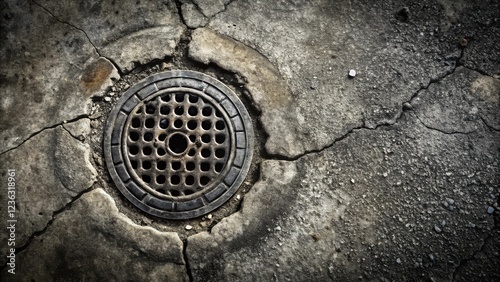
(178, 144)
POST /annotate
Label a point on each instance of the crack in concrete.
(186, 260)
(491, 127)
(438, 79)
(69, 24)
(482, 72)
(210, 18)
(222, 11)
(178, 5)
(45, 128)
(462, 262)
(441, 130)
(50, 222)
(80, 139)
(120, 72)
(387, 123)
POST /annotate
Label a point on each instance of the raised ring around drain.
(178, 144)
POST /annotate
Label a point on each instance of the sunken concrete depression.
(178, 144)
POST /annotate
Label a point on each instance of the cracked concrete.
(336, 195)
(56, 168)
(192, 17)
(87, 237)
(391, 175)
(472, 268)
(41, 93)
(477, 98)
(267, 89)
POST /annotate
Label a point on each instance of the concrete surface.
(391, 175)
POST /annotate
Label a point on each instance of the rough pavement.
(390, 175)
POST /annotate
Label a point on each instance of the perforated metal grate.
(178, 144)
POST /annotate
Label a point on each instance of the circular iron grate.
(178, 144)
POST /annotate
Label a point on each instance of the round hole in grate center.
(178, 143)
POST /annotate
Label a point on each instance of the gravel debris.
(437, 229)
(490, 210)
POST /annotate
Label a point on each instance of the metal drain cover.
(178, 144)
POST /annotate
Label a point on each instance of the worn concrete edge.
(114, 211)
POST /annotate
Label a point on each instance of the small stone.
(407, 106)
(463, 42)
(277, 228)
(94, 123)
(352, 180)
(238, 197)
(431, 257)
(209, 216)
(437, 229)
(188, 227)
(398, 261)
(107, 99)
(313, 86)
(352, 73)
(95, 115)
(98, 162)
(490, 210)
(450, 201)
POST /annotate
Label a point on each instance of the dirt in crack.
(102, 107)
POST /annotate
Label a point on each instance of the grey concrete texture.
(92, 241)
(59, 170)
(390, 175)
